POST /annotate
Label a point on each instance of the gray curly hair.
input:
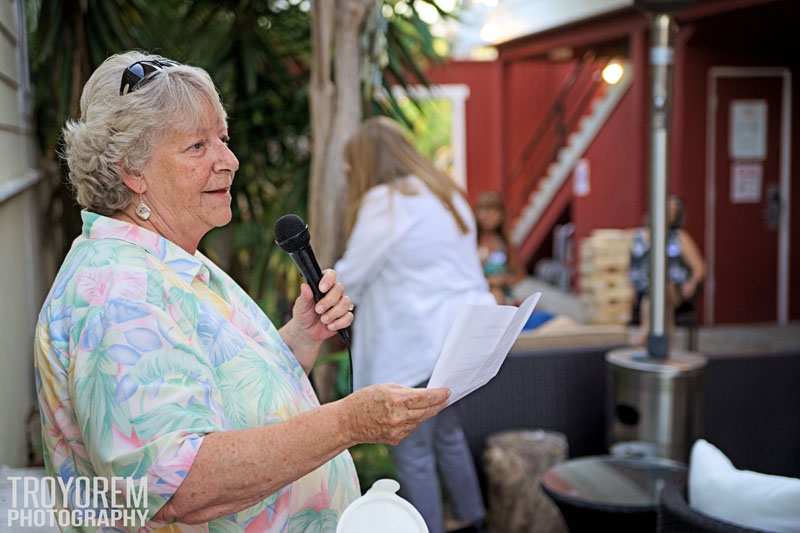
(116, 132)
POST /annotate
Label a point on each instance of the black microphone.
(291, 234)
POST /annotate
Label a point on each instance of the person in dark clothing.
(685, 267)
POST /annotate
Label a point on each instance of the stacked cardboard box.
(606, 290)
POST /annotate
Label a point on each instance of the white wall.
(21, 285)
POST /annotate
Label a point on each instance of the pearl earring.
(142, 211)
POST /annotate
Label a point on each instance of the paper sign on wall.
(748, 129)
(580, 180)
(746, 181)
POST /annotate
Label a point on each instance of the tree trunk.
(335, 115)
(335, 100)
(322, 101)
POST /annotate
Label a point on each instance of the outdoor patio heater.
(655, 408)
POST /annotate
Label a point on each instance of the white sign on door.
(748, 129)
(746, 181)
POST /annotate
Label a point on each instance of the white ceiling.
(489, 22)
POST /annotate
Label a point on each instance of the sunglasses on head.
(141, 72)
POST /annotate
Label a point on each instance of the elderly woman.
(153, 364)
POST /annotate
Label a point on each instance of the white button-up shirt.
(409, 269)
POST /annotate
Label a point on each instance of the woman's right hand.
(387, 413)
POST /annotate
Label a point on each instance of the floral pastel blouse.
(141, 350)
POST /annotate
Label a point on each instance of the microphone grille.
(291, 232)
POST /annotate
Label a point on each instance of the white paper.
(746, 181)
(477, 344)
(748, 129)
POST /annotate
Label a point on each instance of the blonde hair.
(117, 132)
(381, 152)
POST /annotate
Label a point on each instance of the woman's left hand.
(316, 322)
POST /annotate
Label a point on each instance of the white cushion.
(748, 499)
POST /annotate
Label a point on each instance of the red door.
(747, 202)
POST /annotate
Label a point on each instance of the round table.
(607, 493)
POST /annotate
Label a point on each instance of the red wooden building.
(563, 146)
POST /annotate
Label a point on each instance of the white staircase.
(577, 144)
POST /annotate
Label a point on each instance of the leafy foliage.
(258, 53)
(398, 45)
(431, 121)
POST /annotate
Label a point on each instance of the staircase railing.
(551, 134)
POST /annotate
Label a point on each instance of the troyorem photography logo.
(78, 502)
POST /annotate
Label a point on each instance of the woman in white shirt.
(411, 264)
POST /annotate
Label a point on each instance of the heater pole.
(661, 52)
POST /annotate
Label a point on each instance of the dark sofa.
(752, 405)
